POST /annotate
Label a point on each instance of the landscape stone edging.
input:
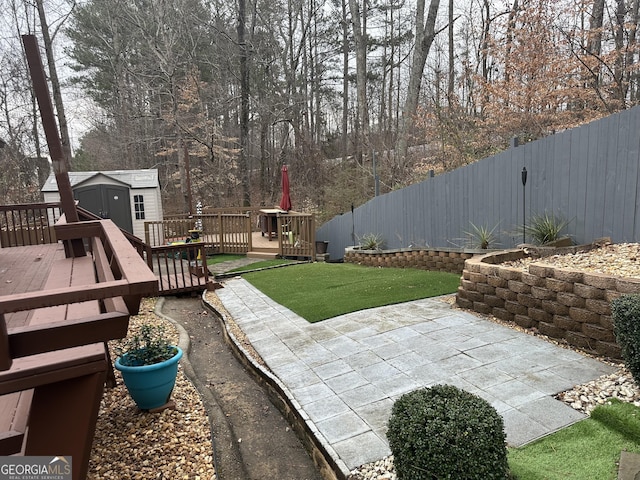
(329, 465)
(562, 303)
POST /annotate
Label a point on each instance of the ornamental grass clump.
(445, 432)
(625, 311)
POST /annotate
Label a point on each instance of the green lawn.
(263, 264)
(317, 291)
(587, 450)
(223, 257)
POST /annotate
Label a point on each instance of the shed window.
(138, 204)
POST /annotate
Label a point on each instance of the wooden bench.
(53, 369)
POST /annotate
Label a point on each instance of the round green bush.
(625, 311)
(443, 432)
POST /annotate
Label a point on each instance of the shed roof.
(147, 178)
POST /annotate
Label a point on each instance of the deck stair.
(263, 255)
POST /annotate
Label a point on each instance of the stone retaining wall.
(562, 303)
(444, 260)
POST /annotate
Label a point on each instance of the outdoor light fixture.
(524, 210)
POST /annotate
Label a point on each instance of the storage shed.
(128, 197)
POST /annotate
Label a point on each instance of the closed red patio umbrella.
(285, 203)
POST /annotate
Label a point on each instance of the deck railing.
(28, 224)
(224, 232)
(296, 235)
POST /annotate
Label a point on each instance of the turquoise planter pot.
(150, 386)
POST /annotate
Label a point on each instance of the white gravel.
(133, 445)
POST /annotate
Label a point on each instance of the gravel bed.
(171, 444)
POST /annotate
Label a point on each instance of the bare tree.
(359, 22)
(425, 33)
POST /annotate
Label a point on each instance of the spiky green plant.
(481, 236)
(545, 228)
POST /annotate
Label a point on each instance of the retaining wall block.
(485, 289)
(506, 294)
(551, 330)
(510, 274)
(533, 280)
(478, 277)
(488, 269)
(540, 315)
(524, 321)
(609, 349)
(543, 293)
(584, 316)
(528, 301)
(598, 306)
(482, 307)
(566, 275)
(597, 332)
(611, 295)
(472, 265)
(555, 308)
(580, 340)
(570, 299)
(503, 314)
(463, 302)
(559, 285)
(599, 280)
(567, 323)
(515, 308)
(519, 287)
(628, 285)
(607, 322)
(497, 282)
(494, 301)
(588, 291)
(540, 270)
(474, 296)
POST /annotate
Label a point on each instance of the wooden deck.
(23, 270)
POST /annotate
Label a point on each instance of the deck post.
(58, 158)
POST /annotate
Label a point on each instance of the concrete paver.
(346, 372)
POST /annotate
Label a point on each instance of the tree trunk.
(345, 82)
(619, 67)
(595, 27)
(425, 33)
(632, 75)
(452, 72)
(244, 105)
(360, 40)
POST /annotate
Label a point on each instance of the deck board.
(25, 269)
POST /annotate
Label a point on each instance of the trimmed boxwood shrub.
(443, 432)
(625, 311)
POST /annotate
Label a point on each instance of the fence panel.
(588, 175)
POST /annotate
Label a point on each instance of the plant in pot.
(148, 363)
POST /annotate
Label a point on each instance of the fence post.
(221, 233)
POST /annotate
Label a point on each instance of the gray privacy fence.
(587, 175)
